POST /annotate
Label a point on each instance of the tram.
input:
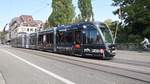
(82, 39)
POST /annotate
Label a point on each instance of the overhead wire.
(46, 4)
(40, 9)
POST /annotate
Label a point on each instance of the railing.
(128, 46)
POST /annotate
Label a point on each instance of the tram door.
(78, 42)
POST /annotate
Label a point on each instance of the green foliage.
(85, 8)
(2, 36)
(63, 12)
(136, 17)
(108, 22)
(121, 33)
(146, 32)
(46, 24)
(111, 24)
(136, 38)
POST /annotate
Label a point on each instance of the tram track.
(131, 62)
(98, 67)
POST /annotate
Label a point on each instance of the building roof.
(25, 20)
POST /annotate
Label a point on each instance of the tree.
(77, 19)
(121, 33)
(111, 24)
(2, 36)
(85, 8)
(63, 12)
(136, 17)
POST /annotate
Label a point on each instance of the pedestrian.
(145, 43)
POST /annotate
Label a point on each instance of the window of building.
(29, 19)
(31, 29)
(27, 29)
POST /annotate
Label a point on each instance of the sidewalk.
(133, 55)
(2, 81)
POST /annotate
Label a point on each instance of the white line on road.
(41, 69)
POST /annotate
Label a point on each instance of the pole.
(120, 17)
(116, 32)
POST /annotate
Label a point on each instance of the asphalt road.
(22, 66)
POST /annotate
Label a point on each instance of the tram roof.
(76, 25)
(72, 26)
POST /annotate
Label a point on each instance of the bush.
(134, 38)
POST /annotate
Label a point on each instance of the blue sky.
(41, 9)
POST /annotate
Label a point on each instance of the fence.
(128, 46)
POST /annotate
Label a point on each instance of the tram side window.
(24, 39)
(69, 36)
(65, 37)
(49, 39)
(107, 34)
(77, 37)
(33, 39)
(60, 38)
(40, 40)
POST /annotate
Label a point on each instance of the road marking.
(41, 69)
(2, 81)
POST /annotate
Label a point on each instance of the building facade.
(24, 24)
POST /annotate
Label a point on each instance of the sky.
(41, 9)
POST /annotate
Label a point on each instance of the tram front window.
(107, 35)
(91, 36)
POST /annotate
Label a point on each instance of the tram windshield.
(91, 35)
(107, 34)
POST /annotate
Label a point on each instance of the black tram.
(33, 39)
(21, 41)
(45, 40)
(83, 39)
